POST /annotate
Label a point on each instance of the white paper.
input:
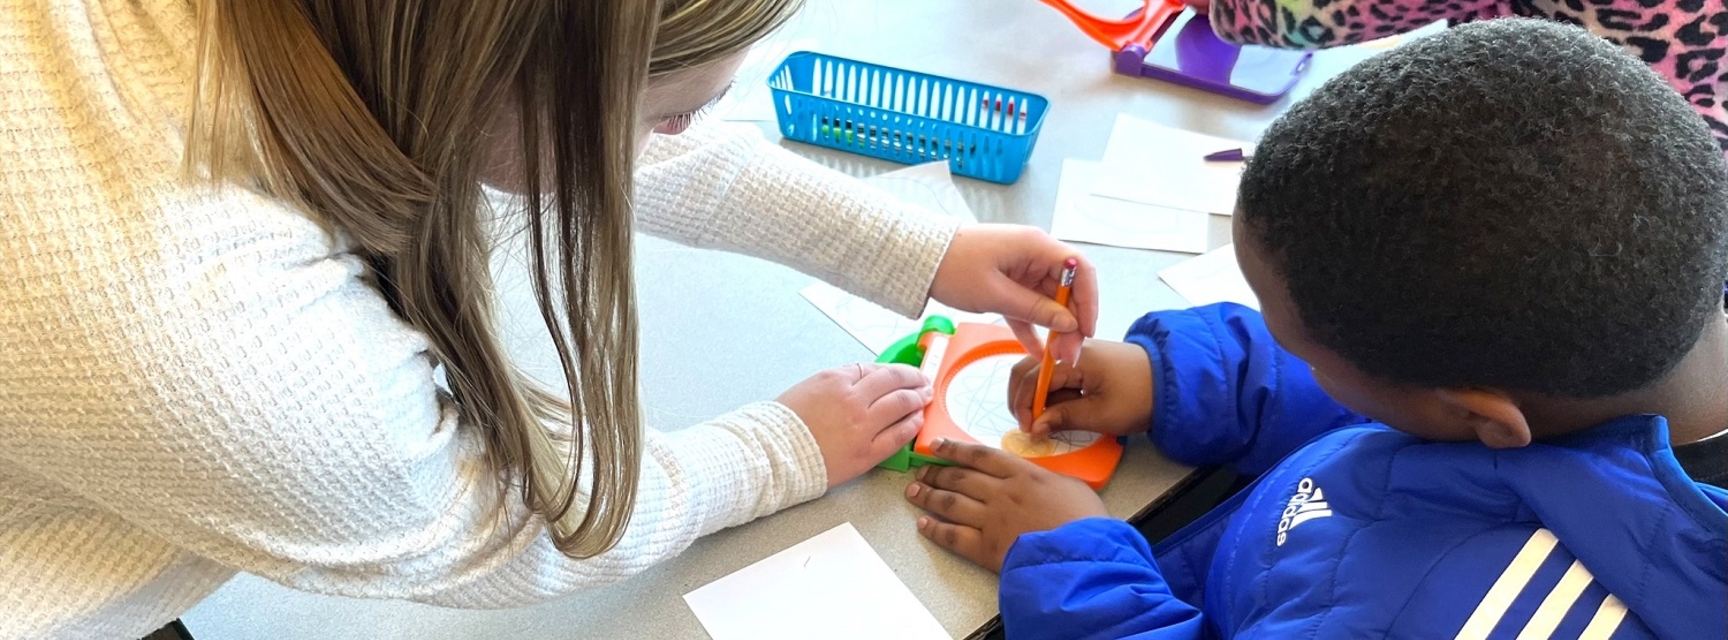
(832, 586)
(873, 326)
(1211, 278)
(750, 100)
(1153, 164)
(927, 185)
(1083, 217)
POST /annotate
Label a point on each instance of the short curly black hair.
(1512, 204)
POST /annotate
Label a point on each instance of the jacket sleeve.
(1092, 578)
(1224, 392)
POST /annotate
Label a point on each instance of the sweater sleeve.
(241, 392)
(723, 186)
(1316, 24)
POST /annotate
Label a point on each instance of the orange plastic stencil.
(971, 384)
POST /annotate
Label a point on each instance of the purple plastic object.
(1188, 53)
(1227, 155)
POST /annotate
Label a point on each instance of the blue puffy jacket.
(1359, 531)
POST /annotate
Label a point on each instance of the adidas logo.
(1308, 503)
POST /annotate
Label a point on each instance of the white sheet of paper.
(1211, 278)
(927, 185)
(750, 100)
(1083, 217)
(831, 586)
(873, 326)
(1153, 164)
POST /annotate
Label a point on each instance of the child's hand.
(994, 499)
(1109, 391)
(860, 413)
(1015, 271)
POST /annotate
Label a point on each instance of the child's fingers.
(896, 436)
(1054, 419)
(1031, 305)
(1085, 300)
(958, 479)
(898, 404)
(1067, 346)
(966, 542)
(1028, 337)
(1021, 379)
(953, 507)
(1042, 428)
(1023, 388)
(995, 462)
(885, 379)
(858, 371)
(1083, 414)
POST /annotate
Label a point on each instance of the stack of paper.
(1083, 217)
(1154, 190)
(1153, 164)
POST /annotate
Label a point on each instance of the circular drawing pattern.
(977, 400)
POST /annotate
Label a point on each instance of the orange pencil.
(1049, 367)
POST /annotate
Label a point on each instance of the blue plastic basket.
(982, 131)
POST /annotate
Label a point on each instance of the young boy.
(1490, 266)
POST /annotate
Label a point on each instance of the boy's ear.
(1495, 417)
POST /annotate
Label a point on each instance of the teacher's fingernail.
(912, 490)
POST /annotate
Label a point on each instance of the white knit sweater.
(195, 382)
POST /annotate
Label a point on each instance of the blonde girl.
(248, 306)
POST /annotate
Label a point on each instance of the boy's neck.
(1693, 398)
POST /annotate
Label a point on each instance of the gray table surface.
(721, 330)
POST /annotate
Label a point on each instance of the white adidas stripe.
(1606, 620)
(1506, 589)
(1559, 600)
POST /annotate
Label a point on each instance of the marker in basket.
(1048, 368)
(1016, 115)
(860, 135)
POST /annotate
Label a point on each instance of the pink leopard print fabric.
(1683, 40)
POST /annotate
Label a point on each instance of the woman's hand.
(1107, 391)
(1014, 271)
(860, 414)
(993, 499)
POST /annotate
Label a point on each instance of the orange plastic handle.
(1118, 33)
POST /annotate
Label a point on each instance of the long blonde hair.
(371, 115)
